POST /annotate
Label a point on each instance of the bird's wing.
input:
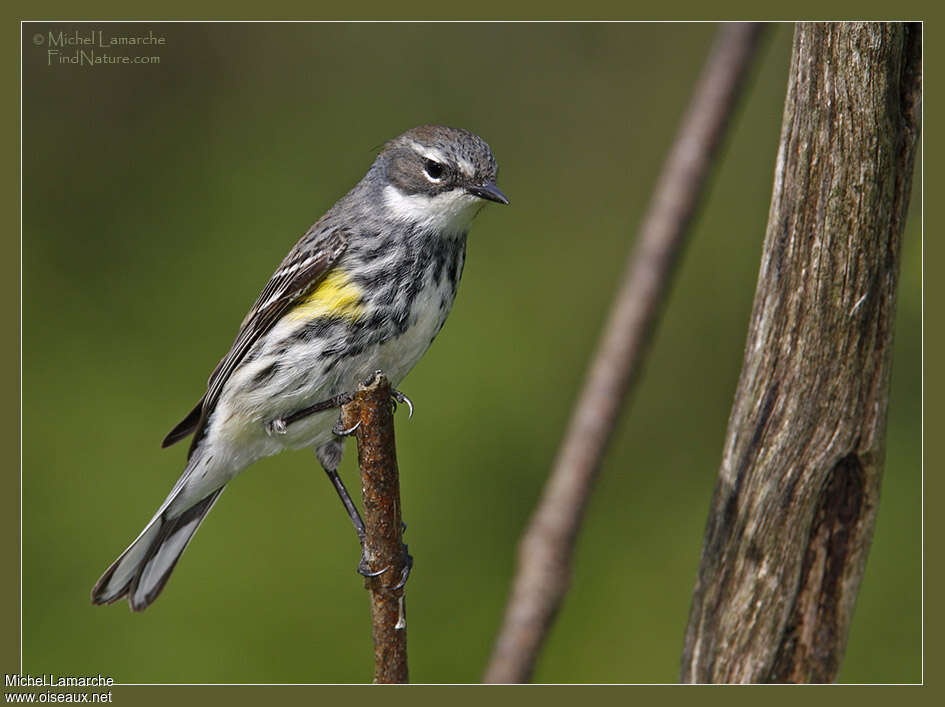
(296, 277)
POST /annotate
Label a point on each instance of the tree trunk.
(793, 512)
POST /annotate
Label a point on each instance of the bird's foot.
(398, 397)
(364, 568)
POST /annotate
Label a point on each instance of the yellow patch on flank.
(335, 296)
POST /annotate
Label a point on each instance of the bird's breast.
(407, 306)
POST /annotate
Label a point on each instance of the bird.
(366, 288)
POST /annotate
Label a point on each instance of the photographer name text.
(53, 680)
(98, 38)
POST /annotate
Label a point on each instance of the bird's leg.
(347, 503)
(329, 456)
(280, 425)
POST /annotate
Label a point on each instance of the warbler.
(367, 287)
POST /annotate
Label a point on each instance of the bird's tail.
(143, 569)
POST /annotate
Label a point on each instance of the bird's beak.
(490, 192)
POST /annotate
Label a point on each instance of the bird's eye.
(433, 169)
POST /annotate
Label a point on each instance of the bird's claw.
(339, 431)
(399, 397)
(364, 569)
(405, 572)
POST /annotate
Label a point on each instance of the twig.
(548, 544)
(371, 410)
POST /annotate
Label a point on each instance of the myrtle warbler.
(366, 288)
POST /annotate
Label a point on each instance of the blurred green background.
(157, 201)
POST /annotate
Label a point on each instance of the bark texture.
(793, 512)
(372, 411)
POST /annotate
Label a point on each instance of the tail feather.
(185, 427)
(142, 570)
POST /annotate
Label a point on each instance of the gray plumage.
(367, 287)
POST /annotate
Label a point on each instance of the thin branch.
(371, 410)
(547, 546)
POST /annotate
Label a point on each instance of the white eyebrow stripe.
(466, 167)
(430, 153)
